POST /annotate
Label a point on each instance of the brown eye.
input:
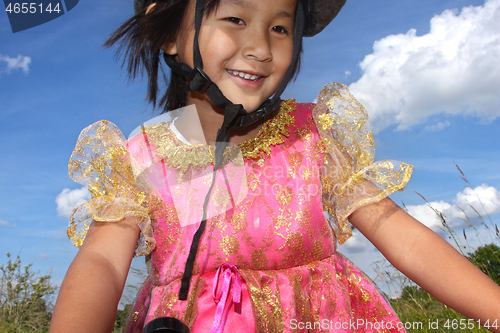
(280, 30)
(235, 20)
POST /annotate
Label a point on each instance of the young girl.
(234, 233)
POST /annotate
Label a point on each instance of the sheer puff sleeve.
(351, 178)
(101, 162)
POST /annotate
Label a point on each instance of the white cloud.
(21, 62)
(68, 199)
(356, 243)
(468, 203)
(453, 69)
(438, 127)
(4, 223)
(42, 256)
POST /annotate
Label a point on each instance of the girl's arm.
(429, 260)
(92, 287)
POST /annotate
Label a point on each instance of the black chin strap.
(235, 116)
(199, 81)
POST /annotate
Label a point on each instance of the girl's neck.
(211, 120)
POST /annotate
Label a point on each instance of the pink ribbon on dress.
(227, 271)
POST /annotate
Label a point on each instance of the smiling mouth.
(244, 75)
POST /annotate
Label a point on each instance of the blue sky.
(426, 70)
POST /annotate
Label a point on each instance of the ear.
(170, 48)
(150, 7)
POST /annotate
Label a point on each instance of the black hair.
(140, 40)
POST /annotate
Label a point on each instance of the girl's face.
(246, 47)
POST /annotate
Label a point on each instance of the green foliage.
(24, 298)
(412, 293)
(420, 312)
(487, 259)
(121, 317)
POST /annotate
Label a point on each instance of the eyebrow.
(241, 3)
(285, 14)
(248, 5)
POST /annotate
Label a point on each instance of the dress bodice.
(278, 223)
(280, 203)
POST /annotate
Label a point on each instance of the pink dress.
(268, 260)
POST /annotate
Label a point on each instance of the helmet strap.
(235, 116)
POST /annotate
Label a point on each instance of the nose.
(257, 45)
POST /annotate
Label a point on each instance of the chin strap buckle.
(199, 80)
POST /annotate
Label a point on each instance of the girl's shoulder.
(334, 104)
(304, 107)
(341, 118)
(333, 117)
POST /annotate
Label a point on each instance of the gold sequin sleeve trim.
(350, 177)
(101, 162)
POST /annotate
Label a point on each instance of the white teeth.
(245, 76)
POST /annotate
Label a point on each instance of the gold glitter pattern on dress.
(265, 294)
(192, 307)
(272, 133)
